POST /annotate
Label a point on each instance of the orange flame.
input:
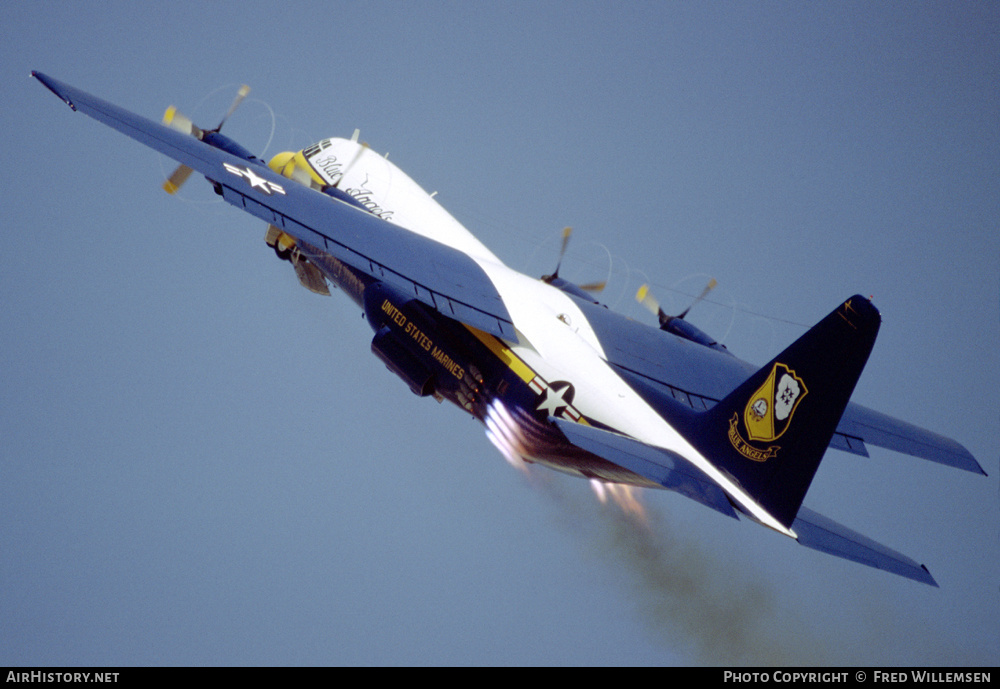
(626, 497)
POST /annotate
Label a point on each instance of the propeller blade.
(644, 297)
(240, 95)
(182, 123)
(178, 178)
(594, 286)
(567, 231)
(704, 293)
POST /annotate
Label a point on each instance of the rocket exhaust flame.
(598, 488)
(624, 496)
(504, 436)
(515, 443)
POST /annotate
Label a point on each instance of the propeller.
(590, 286)
(644, 297)
(182, 123)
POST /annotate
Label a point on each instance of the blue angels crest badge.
(768, 413)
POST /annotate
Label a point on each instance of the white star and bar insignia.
(255, 180)
(557, 400)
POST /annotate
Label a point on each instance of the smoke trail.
(694, 598)
(693, 601)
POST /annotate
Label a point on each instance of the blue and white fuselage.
(556, 343)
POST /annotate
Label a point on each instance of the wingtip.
(53, 86)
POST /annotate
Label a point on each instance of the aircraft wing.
(438, 275)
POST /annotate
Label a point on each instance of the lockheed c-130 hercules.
(556, 378)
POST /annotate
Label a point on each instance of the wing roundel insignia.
(254, 180)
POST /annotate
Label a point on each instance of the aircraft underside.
(441, 358)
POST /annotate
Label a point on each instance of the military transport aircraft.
(556, 378)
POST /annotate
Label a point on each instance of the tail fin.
(771, 432)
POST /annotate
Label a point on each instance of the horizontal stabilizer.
(820, 533)
(671, 471)
(661, 466)
(882, 430)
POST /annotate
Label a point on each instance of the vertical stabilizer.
(771, 432)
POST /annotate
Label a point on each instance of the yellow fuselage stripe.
(511, 360)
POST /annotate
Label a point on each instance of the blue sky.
(201, 463)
